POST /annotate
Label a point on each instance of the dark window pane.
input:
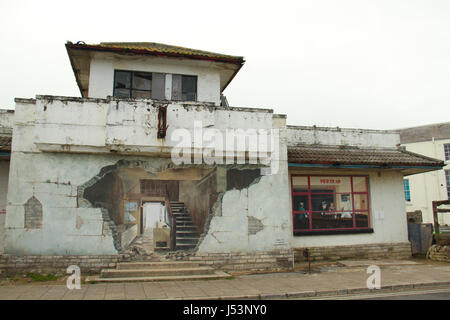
(122, 93)
(122, 79)
(301, 203)
(176, 87)
(142, 80)
(362, 220)
(189, 88)
(322, 202)
(301, 221)
(139, 94)
(191, 96)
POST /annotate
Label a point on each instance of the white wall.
(342, 137)
(429, 186)
(101, 77)
(53, 178)
(386, 195)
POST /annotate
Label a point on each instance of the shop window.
(330, 204)
(407, 190)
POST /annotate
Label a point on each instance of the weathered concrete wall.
(256, 217)
(101, 77)
(386, 199)
(6, 118)
(127, 127)
(341, 136)
(83, 132)
(4, 175)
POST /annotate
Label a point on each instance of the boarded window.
(158, 86)
(33, 213)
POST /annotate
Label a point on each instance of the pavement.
(345, 278)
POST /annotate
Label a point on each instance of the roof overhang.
(333, 157)
(80, 55)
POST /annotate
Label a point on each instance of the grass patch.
(42, 277)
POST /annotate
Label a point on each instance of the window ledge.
(331, 232)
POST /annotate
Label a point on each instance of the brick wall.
(247, 261)
(364, 251)
(13, 264)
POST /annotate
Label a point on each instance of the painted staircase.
(158, 271)
(187, 235)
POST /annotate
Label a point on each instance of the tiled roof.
(354, 156)
(154, 48)
(5, 143)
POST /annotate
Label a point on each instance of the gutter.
(359, 166)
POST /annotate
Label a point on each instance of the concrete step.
(128, 273)
(214, 275)
(157, 265)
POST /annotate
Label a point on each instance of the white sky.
(362, 63)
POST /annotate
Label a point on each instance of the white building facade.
(82, 169)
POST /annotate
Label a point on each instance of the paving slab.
(332, 282)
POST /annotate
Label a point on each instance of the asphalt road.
(436, 294)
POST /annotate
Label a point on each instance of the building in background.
(421, 189)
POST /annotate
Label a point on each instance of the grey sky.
(363, 63)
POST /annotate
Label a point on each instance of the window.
(447, 179)
(184, 87)
(447, 151)
(330, 204)
(406, 190)
(148, 85)
(131, 84)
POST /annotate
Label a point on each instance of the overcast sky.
(362, 63)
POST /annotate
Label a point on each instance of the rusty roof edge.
(225, 59)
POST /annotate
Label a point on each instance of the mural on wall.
(131, 207)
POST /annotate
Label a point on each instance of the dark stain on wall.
(33, 213)
(241, 179)
(107, 193)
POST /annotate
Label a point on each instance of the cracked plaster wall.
(233, 226)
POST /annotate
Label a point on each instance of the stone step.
(157, 265)
(184, 246)
(187, 240)
(212, 276)
(128, 273)
(187, 228)
(187, 233)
